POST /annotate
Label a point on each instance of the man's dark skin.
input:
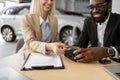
(94, 53)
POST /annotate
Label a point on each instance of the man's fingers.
(80, 50)
(79, 56)
(80, 60)
(84, 59)
(77, 51)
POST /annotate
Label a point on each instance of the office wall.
(116, 6)
(78, 6)
(24, 1)
(61, 4)
(1, 1)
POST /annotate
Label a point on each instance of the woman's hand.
(56, 47)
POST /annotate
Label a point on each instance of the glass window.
(11, 11)
(8, 11)
(24, 11)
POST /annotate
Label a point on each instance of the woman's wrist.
(48, 46)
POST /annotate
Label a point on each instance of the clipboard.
(39, 61)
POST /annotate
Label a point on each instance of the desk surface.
(72, 71)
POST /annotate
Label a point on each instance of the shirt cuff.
(117, 55)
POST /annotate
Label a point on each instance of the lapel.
(36, 25)
(94, 31)
(52, 27)
(109, 28)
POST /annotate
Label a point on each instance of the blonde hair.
(36, 8)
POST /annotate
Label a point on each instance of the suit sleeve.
(118, 47)
(57, 34)
(84, 38)
(29, 36)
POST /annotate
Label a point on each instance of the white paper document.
(41, 60)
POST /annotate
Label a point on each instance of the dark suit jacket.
(111, 36)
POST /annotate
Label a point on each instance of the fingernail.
(73, 51)
(74, 57)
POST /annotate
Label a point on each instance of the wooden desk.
(72, 71)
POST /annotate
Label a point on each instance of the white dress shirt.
(101, 31)
(45, 29)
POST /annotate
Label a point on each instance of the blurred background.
(70, 14)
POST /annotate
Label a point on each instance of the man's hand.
(86, 55)
(56, 47)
